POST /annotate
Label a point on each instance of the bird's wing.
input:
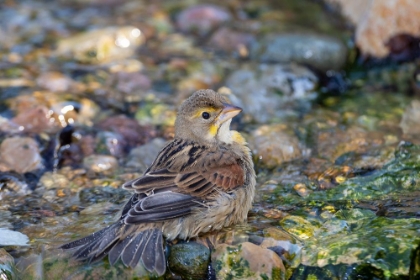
(182, 177)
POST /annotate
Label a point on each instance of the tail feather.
(160, 259)
(148, 256)
(129, 251)
(146, 246)
(115, 252)
(85, 240)
(137, 255)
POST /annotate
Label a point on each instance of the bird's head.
(205, 118)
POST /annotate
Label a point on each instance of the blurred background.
(330, 89)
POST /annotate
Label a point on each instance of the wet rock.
(274, 145)
(7, 268)
(189, 260)
(110, 143)
(12, 238)
(35, 120)
(319, 51)
(229, 40)
(100, 163)
(370, 22)
(54, 81)
(365, 245)
(299, 227)
(130, 129)
(335, 143)
(201, 18)
(52, 180)
(20, 154)
(247, 261)
(140, 158)
(102, 45)
(267, 92)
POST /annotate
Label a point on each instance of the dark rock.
(189, 260)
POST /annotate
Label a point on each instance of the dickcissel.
(201, 181)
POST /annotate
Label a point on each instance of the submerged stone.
(20, 154)
(247, 261)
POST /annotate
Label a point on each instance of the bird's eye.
(205, 115)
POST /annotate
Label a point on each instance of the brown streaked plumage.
(201, 181)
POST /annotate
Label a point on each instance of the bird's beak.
(227, 113)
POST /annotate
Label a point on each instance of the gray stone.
(319, 51)
(189, 260)
(267, 91)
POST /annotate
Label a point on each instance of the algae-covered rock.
(189, 260)
(247, 261)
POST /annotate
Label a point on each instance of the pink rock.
(54, 81)
(377, 21)
(20, 154)
(201, 18)
(35, 120)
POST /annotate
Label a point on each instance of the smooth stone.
(100, 163)
(319, 51)
(189, 260)
(52, 180)
(20, 154)
(274, 145)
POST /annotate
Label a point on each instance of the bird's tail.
(146, 245)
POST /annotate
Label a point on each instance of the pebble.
(274, 145)
(100, 163)
(52, 180)
(20, 154)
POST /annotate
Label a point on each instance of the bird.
(201, 181)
